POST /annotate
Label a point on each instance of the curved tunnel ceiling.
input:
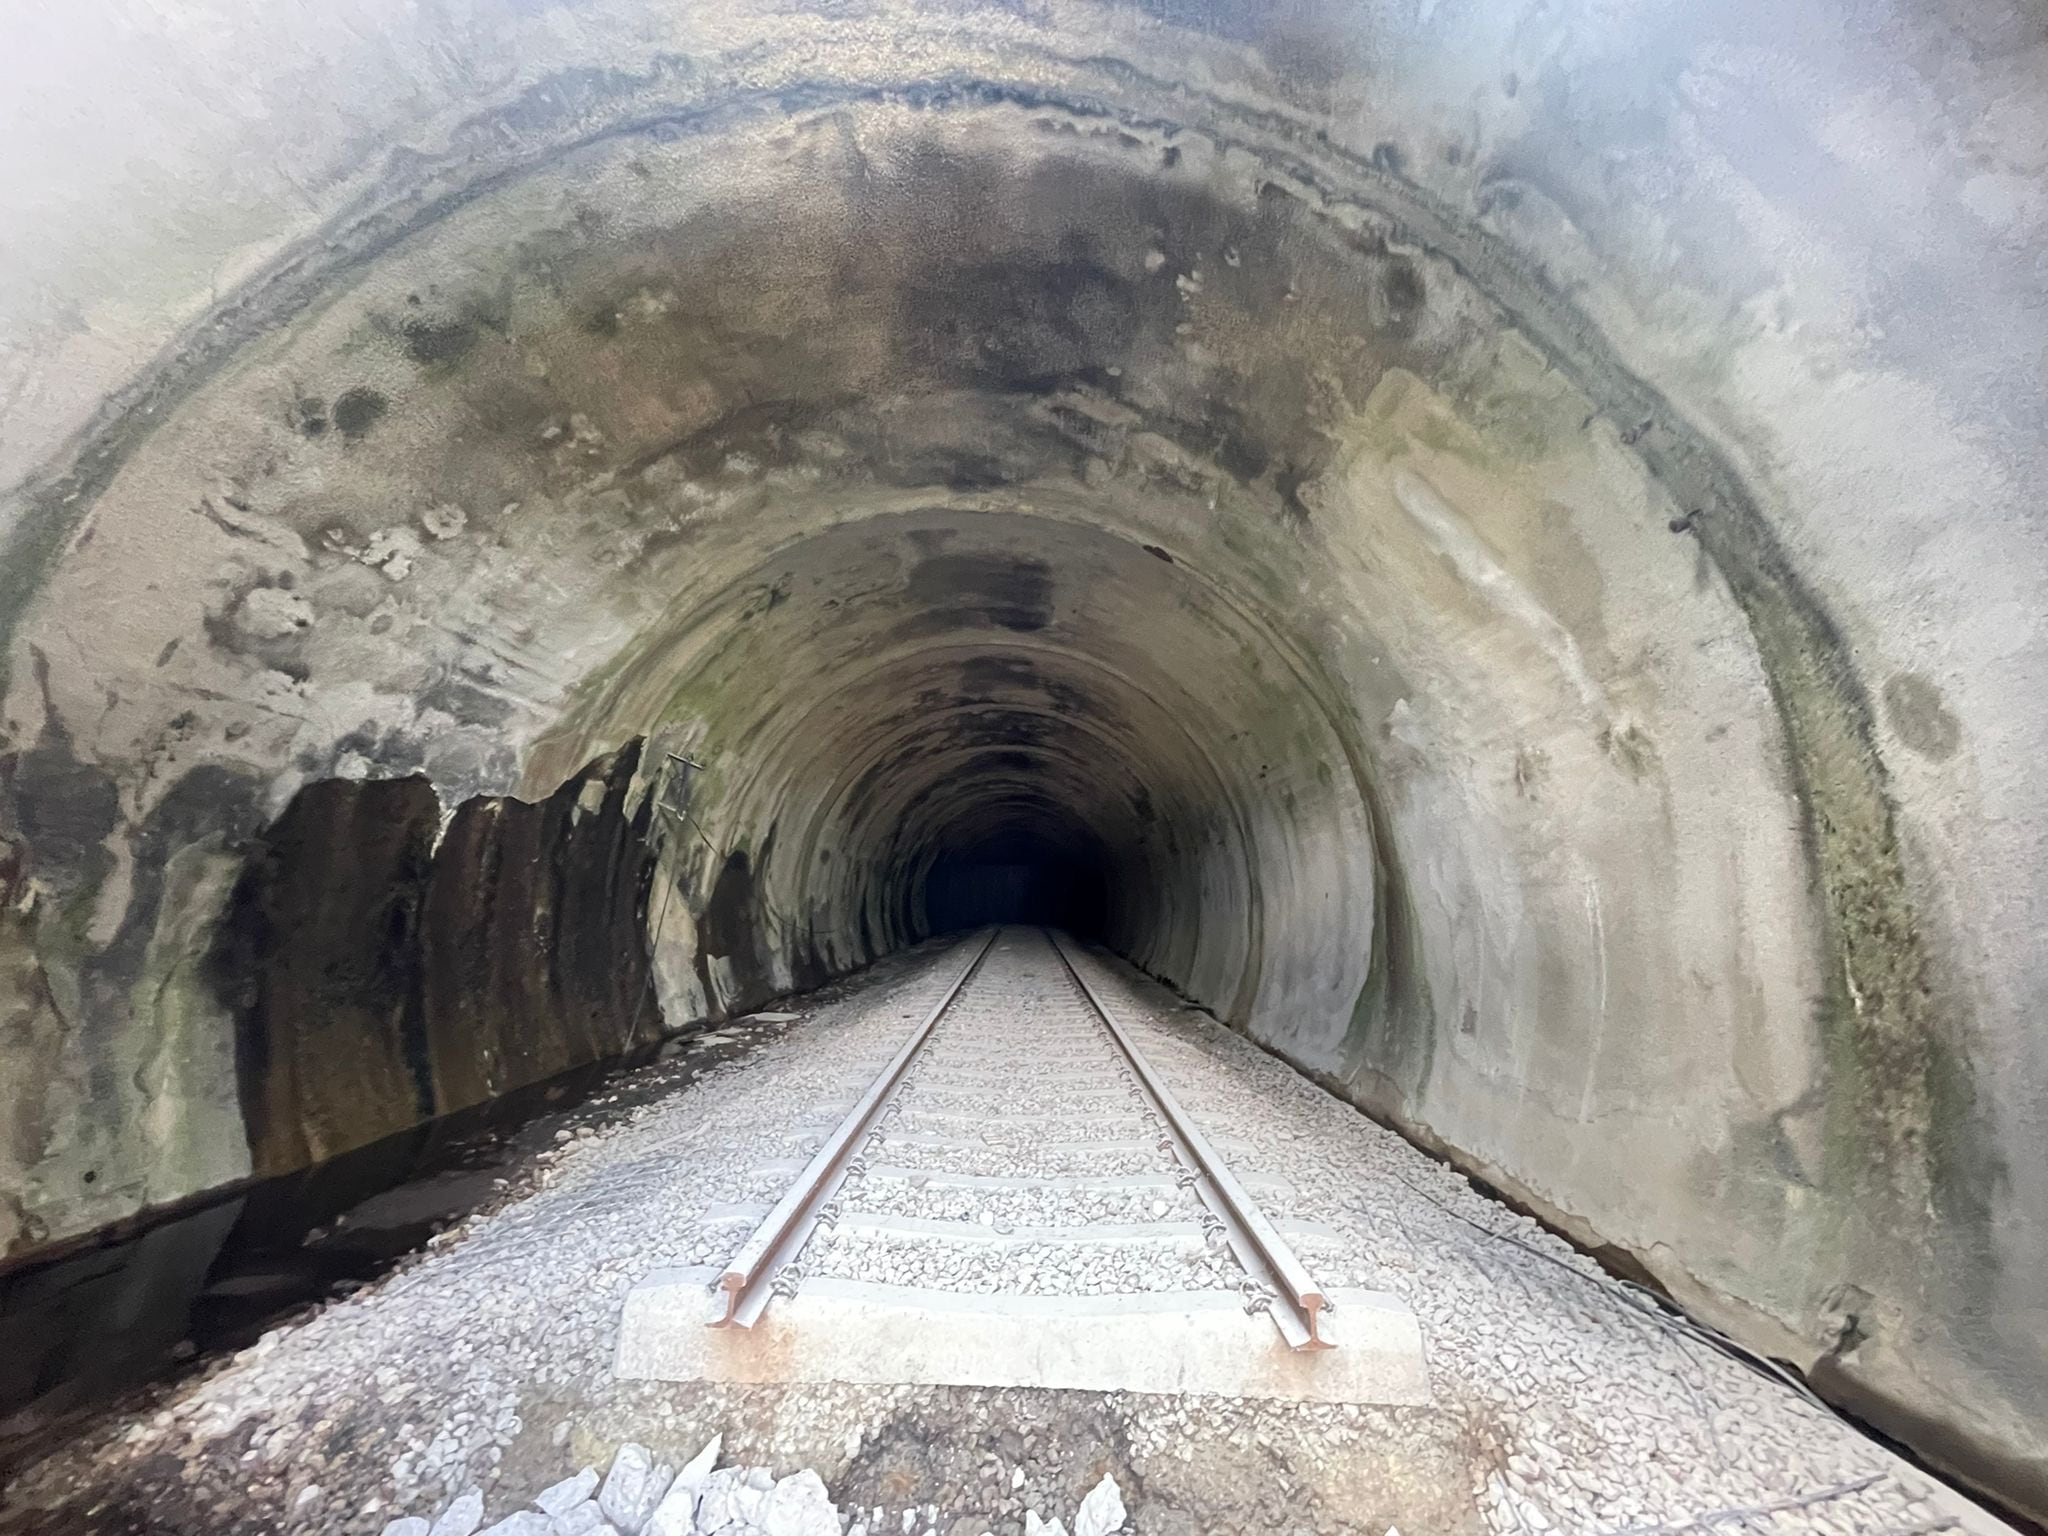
(911, 681)
(1406, 506)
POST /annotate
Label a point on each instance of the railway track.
(1019, 1143)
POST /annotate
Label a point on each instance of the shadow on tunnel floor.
(161, 1296)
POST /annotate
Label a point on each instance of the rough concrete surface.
(1501, 539)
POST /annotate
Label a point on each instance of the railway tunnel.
(1492, 548)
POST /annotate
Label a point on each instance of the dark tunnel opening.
(1020, 874)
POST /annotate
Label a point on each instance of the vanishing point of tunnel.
(1480, 563)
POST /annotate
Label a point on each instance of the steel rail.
(1299, 1299)
(749, 1279)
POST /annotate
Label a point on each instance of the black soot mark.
(357, 410)
(436, 341)
(985, 590)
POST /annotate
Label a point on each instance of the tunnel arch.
(1653, 575)
(902, 714)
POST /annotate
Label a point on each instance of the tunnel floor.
(1558, 1400)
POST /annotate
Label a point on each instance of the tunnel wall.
(382, 973)
(393, 986)
(367, 972)
(1582, 704)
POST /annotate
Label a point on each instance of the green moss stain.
(1899, 1096)
(1901, 1117)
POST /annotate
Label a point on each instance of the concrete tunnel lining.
(1641, 697)
(859, 755)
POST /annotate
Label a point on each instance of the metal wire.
(1652, 1310)
(1749, 1512)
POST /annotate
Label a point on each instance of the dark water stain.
(986, 675)
(307, 416)
(728, 930)
(967, 471)
(430, 341)
(1399, 296)
(576, 877)
(357, 410)
(999, 762)
(979, 591)
(64, 808)
(1023, 326)
(996, 728)
(317, 957)
(1920, 718)
(1288, 481)
(1237, 445)
(465, 701)
(378, 976)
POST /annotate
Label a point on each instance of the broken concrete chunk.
(567, 1494)
(582, 1520)
(410, 1525)
(699, 1466)
(799, 1506)
(676, 1512)
(720, 1503)
(633, 1488)
(525, 1523)
(1102, 1511)
(462, 1517)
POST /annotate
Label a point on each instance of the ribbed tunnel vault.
(1500, 577)
(927, 718)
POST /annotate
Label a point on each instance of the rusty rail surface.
(1277, 1279)
(749, 1279)
(1298, 1300)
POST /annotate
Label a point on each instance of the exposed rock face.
(323, 936)
(534, 951)
(1505, 538)
(379, 980)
